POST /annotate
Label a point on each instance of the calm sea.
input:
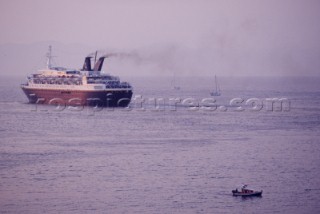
(166, 158)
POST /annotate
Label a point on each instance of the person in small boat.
(243, 189)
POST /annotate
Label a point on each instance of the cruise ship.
(70, 87)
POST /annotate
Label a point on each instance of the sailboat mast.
(215, 79)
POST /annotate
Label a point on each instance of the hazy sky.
(279, 36)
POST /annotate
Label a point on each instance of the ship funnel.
(87, 64)
(98, 65)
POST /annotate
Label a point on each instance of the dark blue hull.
(103, 98)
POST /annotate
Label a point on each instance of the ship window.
(65, 92)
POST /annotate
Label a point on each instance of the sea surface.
(165, 157)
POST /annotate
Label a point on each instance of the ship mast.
(49, 57)
(95, 57)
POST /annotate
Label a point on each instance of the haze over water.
(193, 37)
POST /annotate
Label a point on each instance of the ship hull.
(101, 98)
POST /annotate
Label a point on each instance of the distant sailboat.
(175, 87)
(217, 91)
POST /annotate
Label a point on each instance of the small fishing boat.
(245, 192)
